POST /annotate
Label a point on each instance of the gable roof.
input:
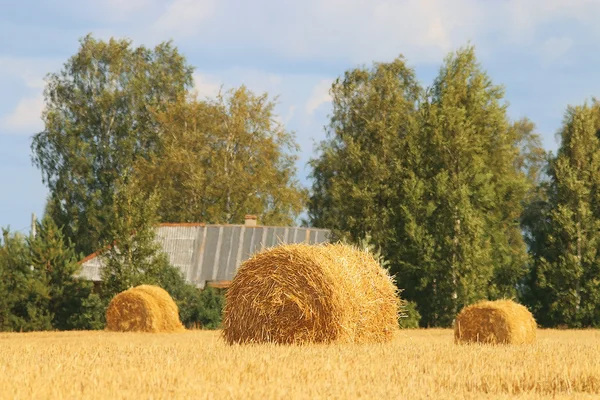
(213, 253)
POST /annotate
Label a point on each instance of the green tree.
(222, 159)
(98, 121)
(562, 228)
(476, 186)
(370, 144)
(24, 295)
(71, 301)
(436, 178)
(134, 258)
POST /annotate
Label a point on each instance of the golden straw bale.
(170, 321)
(143, 308)
(501, 321)
(298, 293)
(133, 310)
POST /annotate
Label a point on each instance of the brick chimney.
(250, 220)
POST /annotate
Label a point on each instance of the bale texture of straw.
(170, 321)
(144, 309)
(298, 293)
(495, 322)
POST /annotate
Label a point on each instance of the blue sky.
(545, 52)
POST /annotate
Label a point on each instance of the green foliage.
(410, 318)
(196, 307)
(90, 316)
(98, 122)
(437, 178)
(476, 189)
(203, 308)
(55, 263)
(366, 244)
(562, 225)
(135, 257)
(221, 159)
(356, 176)
(24, 295)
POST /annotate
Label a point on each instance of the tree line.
(464, 203)
(460, 202)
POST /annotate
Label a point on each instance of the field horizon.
(417, 364)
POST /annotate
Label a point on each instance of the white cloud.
(360, 31)
(26, 117)
(258, 81)
(29, 70)
(320, 95)
(287, 118)
(185, 17)
(206, 86)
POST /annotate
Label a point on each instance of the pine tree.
(55, 262)
(24, 295)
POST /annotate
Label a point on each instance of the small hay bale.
(170, 321)
(133, 311)
(143, 309)
(495, 322)
(298, 293)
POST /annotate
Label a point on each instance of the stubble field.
(418, 364)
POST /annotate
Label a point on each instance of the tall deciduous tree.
(563, 227)
(472, 153)
(359, 167)
(98, 121)
(222, 159)
(437, 180)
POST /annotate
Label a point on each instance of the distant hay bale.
(501, 321)
(170, 321)
(298, 293)
(143, 308)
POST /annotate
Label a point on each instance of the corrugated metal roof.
(213, 253)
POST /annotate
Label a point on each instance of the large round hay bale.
(501, 321)
(170, 321)
(295, 294)
(133, 311)
(143, 308)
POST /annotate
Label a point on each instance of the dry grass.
(417, 364)
(495, 322)
(300, 293)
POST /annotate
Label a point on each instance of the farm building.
(211, 254)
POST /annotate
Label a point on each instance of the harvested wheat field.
(416, 364)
